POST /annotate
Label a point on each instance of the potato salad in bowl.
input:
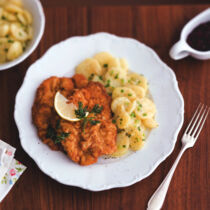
(15, 29)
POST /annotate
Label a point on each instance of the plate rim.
(137, 177)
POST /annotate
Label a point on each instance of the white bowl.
(35, 8)
(181, 49)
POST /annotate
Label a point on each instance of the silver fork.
(188, 140)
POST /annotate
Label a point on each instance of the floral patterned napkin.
(11, 169)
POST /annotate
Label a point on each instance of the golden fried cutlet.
(83, 144)
(43, 108)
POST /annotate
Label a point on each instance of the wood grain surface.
(159, 28)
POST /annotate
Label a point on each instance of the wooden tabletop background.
(158, 26)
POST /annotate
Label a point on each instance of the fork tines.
(197, 121)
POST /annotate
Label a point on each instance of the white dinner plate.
(61, 60)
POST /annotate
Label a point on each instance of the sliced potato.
(15, 50)
(150, 123)
(127, 105)
(140, 91)
(8, 16)
(1, 12)
(124, 64)
(16, 2)
(89, 67)
(122, 118)
(137, 79)
(2, 2)
(145, 108)
(98, 78)
(136, 141)
(107, 61)
(30, 32)
(124, 92)
(122, 145)
(27, 16)
(18, 32)
(21, 18)
(13, 8)
(4, 29)
(114, 78)
(2, 56)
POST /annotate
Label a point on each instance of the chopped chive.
(108, 83)
(133, 114)
(111, 72)
(100, 77)
(91, 77)
(116, 76)
(10, 41)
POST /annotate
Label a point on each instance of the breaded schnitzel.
(83, 144)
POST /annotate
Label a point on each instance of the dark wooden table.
(158, 27)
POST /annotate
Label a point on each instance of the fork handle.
(157, 199)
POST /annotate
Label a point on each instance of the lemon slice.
(65, 110)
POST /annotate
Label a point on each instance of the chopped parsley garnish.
(10, 41)
(124, 146)
(128, 135)
(122, 91)
(114, 121)
(3, 17)
(110, 94)
(97, 109)
(139, 129)
(52, 133)
(129, 94)
(105, 65)
(7, 36)
(145, 114)
(81, 114)
(6, 50)
(120, 130)
(94, 122)
(138, 82)
(57, 126)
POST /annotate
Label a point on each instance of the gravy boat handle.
(179, 50)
